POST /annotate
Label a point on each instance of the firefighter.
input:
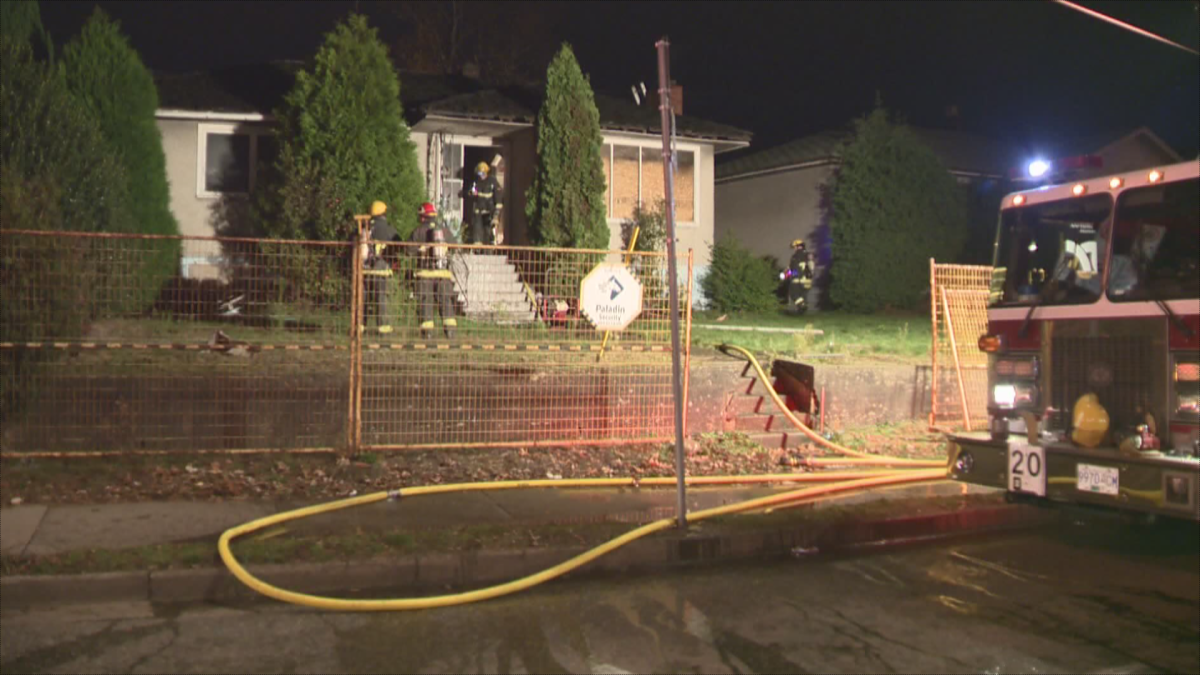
(801, 261)
(799, 276)
(376, 268)
(435, 285)
(486, 202)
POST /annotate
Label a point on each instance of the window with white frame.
(229, 157)
(633, 175)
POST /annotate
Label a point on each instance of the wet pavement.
(1090, 598)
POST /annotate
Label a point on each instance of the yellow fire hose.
(847, 481)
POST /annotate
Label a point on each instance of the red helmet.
(427, 210)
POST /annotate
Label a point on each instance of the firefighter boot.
(450, 325)
(426, 330)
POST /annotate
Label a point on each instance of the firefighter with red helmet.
(376, 269)
(435, 284)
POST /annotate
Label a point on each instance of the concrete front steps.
(753, 413)
(490, 289)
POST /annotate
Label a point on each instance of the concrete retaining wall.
(855, 395)
(283, 408)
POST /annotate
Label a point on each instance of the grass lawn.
(893, 336)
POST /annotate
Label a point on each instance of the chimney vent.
(677, 98)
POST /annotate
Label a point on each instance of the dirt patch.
(317, 477)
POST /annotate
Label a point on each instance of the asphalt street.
(1075, 598)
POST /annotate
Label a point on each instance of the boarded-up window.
(685, 186)
(635, 176)
(625, 181)
(653, 190)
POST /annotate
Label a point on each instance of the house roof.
(820, 147)
(521, 105)
(241, 89)
(261, 88)
(968, 153)
(1096, 143)
(960, 152)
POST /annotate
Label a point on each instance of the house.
(217, 131)
(768, 198)
(1101, 154)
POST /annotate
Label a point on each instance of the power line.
(1126, 26)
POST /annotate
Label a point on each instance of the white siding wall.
(421, 140)
(197, 215)
(765, 213)
(179, 145)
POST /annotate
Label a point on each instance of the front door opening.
(472, 156)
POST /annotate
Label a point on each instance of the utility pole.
(665, 107)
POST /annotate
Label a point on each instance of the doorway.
(472, 156)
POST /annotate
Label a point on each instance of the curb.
(478, 568)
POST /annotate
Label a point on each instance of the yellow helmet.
(797, 243)
(1090, 421)
(378, 208)
(482, 167)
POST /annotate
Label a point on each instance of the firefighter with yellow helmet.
(435, 283)
(376, 269)
(486, 203)
(798, 277)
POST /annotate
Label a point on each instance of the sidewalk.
(862, 520)
(41, 530)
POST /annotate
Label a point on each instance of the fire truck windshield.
(1156, 243)
(1051, 253)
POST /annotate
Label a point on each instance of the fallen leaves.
(322, 477)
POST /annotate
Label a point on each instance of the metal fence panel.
(108, 343)
(959, 296)
(106, 347)
(524, 366)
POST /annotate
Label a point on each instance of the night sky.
(1023, 72)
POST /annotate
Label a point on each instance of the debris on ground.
(327, 477)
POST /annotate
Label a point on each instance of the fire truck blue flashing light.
(1038, 168)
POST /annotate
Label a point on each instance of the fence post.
(687, 343)
(933, 349)
(354, 420)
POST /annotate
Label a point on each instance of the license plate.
(1098, 479)
(1027, 469)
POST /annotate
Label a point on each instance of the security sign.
(610, 297)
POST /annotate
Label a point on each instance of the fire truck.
(1093, 346)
